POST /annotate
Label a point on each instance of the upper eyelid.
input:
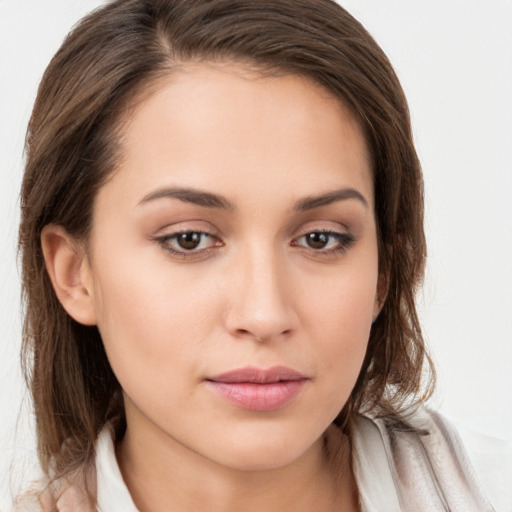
(214, 233)
(198, 226)
(315, 228)
(205, 226)
(174, 234)
(335, 234)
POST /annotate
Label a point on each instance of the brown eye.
(189, 240)
(317, 240)
(325, 242)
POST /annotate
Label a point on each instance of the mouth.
(258, 389)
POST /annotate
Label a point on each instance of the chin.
(261, 460)
(264, 450)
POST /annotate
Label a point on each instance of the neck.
(168, 476)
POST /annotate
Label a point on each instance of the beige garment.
(424, 467)
(417, 466)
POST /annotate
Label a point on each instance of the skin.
(254, 292)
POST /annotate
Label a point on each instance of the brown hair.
(72, 146)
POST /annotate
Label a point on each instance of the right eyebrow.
(189, 195)
(309, 203)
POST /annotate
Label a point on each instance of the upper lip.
(251, 374)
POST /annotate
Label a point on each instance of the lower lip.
(259, 397)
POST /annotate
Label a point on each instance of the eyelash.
(164, 242)
(345, 241)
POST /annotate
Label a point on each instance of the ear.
(380, 294)
(69, 271)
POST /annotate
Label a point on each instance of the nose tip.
(261, 307)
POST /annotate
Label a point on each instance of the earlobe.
(68, 269)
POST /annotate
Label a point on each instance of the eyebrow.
(309, 203)
(210, 200)
(190, 195)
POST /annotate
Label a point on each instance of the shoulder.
(28, 503)
(99, 487)
(425, 464)
(66, 494)
(491, 459)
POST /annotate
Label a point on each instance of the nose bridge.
(261, 305)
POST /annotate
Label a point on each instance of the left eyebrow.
(189, 195)
(310, 202)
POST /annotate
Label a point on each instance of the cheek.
(161, 324)
(342, 301)
(150, 318)
(346, 328)
(338, 319)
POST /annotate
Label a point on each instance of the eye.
(325, 241)
(188, 242)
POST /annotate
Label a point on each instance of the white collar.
(112, 493)
(374, 480)
(395, 469)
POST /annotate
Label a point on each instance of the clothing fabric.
(421, 464)
(427, 466)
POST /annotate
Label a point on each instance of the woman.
(221, 238)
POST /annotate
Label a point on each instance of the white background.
(454, 58)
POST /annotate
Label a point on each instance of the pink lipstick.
(258, 389)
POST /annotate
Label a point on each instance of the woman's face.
(233, 264)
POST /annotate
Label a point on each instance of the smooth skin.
(238, 230)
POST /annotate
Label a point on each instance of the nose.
(261, 305)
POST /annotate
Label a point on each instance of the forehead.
(220, 126)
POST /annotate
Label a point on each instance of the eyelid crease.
(187, 226)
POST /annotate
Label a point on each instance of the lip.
(258, 389)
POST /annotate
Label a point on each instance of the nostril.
(244, 333)
(247, 334)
